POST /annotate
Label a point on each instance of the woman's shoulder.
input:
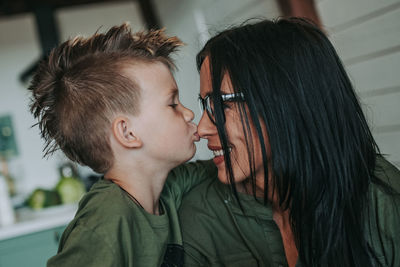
(387, 173)
(384, 212)
(384, 195)
(385, 190)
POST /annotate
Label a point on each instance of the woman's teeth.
(218, 153)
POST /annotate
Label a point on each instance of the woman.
(300, 178)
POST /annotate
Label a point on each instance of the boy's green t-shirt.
(109, 229)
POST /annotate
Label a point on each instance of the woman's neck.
(281, 217)
(247, 188)
(282, 220)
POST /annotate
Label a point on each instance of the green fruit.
(70, 190)
(42, 198)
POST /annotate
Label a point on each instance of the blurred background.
(366, 34)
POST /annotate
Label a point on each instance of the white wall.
(19, 47)
(366, 34)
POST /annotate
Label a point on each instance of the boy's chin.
(190, 155)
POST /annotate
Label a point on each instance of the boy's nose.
(188, 114)
(206, 127)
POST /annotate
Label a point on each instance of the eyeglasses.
(207, 104)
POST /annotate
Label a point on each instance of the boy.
(110, 102)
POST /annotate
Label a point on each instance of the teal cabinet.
(31, 250)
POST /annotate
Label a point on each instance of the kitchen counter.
(29, 221)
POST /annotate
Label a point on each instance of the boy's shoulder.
(102, 228)
(103, 192)
(106, 202)
(102, 211)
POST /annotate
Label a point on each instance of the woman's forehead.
(206, 80)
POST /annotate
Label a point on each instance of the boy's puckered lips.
(197, 137)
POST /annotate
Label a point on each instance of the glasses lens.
(206, 104)
(210, 108)
(201, 105)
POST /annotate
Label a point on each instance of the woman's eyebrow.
(206, 94)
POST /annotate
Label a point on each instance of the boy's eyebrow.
(173, 91)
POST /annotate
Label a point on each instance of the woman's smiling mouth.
(218, 154)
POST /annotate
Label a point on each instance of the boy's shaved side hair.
(82, 84)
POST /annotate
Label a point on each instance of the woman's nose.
(206, 127)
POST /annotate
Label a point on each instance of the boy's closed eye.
(174, 98)
(173, 105)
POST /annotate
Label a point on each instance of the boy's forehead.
(151, 77)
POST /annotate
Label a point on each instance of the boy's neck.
(142, 181)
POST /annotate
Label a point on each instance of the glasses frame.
(205, 103)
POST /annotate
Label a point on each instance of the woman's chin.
(223, 179)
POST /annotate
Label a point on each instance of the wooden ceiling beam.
(15, 7)
(300, 8)
(149, 14)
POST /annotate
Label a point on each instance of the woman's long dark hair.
(322, 152)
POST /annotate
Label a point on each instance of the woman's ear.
(124, 133)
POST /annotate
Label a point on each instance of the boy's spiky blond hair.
(81, 84)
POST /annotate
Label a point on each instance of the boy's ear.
(123, 132)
